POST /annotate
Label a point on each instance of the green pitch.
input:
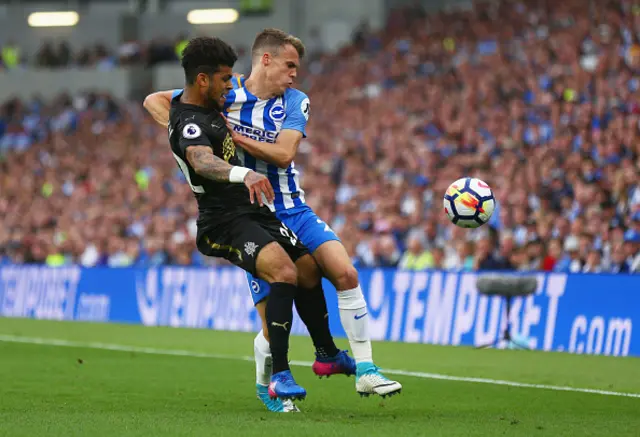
(75, 390)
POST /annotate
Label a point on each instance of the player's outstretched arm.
(280, 154)
(207, 165)
(158, 105)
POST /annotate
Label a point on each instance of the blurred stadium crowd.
(59, 54)
(539, 99)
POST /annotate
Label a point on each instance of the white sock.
(262, 354)
(353, 308)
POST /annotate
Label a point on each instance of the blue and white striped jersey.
(262, 120)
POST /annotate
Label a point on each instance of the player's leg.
(275, 267)
(247, 244)
(312, 309)
(262, 352)
(312, 306)
(262, 355)
(336, 265)
(261, 349)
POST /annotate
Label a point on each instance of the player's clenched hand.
(258, 185)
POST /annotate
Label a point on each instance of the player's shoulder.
(292, 94)
(188, 114)
(295, 100)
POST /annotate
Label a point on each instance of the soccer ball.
(469, 203)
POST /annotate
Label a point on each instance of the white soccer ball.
(469, 203)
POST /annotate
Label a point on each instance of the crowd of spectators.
(539, 99)
(59, 54)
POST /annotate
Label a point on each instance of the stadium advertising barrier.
(586, 314)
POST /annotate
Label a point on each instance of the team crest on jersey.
(250, 247)
(304, 107)
(277, 112)
(228, 148)
(191, 131)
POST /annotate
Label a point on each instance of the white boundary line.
(185, 353)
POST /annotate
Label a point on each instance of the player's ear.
(202, 79)
(266, 59)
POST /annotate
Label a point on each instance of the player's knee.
(346, 278)
(274, 265)
(308, 272)
(287, 274)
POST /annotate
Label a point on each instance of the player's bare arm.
(207, 165)
(158, 105)
(280, 153)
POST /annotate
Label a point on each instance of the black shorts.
(240, 240)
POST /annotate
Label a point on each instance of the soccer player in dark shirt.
(232, 222)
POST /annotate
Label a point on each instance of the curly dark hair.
(206, 54)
